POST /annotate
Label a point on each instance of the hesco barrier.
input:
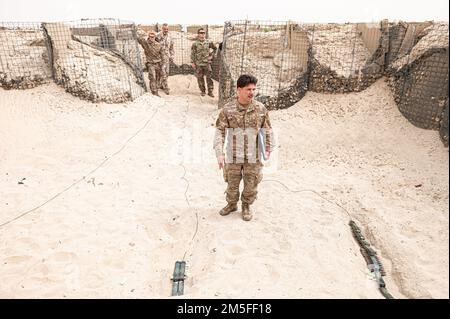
(419, 79)
(24, 60)
(443, 130)
(277, 53)
(98, 60)
(101, 60)
(289, 58)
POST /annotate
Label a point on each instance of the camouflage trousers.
(162, 79)
(154, 71)
(251, 173)
(201, 72)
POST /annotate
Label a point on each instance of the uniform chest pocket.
(235, 121)
(254, 120)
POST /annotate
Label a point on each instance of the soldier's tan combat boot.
(246, 212)
(211, 94)
(228, 209)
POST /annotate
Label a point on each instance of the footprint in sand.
(41, 269)
(26, 244)
(284, 244)
(62, 257)
(236, 250)
(93, 279)
(17, 260)
(319, 236)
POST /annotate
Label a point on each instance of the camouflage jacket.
(239, 126)
(200, 52)
(167, 45)
(153, 50)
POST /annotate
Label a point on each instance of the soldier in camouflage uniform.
(243, 118)
(153, 54)
(168, 52)
(201, 57)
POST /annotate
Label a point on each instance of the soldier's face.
(247, 93)
(165, 29)
(201, 35)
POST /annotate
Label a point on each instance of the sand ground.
(120, 192)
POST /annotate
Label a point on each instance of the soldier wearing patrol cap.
(168, 54)
(202, 52)
(244, 120)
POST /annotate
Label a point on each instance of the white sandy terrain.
(122, 204)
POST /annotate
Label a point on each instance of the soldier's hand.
(267, 155)
(193, 66)
(221, 161)
(141, 33)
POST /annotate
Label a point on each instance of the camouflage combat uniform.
(242, 159)
(201, 57)
(153, 55)
(166, 42)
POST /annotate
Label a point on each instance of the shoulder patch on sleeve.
(260, 106)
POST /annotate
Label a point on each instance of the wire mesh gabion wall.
(443, 130)
(24, 60)
(97, 59)
(290, 58)
(419, 78)
(277, 53)
(347, 57)
(101, 60)
(402, 37)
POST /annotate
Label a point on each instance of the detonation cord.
(180, 266)
(375, 266)
(373, 262)
(88, 174)
(308, 191)
(187, 188)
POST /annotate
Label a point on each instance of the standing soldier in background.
(153, 55)
(201, 57)
(247, 123)
(166, 42)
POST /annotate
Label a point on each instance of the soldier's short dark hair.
(200, 29)
(246, 79)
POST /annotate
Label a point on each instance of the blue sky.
(195, 11)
